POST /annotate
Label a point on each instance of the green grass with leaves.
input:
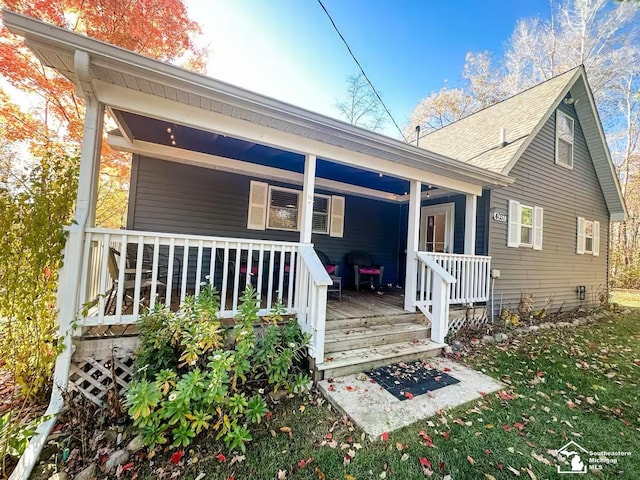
(626, 298)
(576, 384)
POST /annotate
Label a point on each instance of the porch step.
(362, 359)
(369, 336)
(369, 321)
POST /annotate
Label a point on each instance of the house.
(234, 188)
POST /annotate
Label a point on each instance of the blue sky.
(287, 49)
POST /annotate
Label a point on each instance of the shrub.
(197, 376)
(33, 208)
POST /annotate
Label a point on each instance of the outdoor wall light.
(581, 291)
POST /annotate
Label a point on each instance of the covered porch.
(166, 114)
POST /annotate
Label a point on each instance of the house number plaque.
(499, 217)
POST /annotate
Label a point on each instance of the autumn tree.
(360, 105)
(603, 37)
(53, 122)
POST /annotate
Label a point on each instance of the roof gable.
(476, 139)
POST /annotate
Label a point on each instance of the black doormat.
(408, 380)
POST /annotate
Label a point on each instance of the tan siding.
(555, 271)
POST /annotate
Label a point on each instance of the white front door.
(436, 228)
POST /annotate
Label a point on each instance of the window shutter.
(580, 240)
(336, 228)
(596, 239)
(513, 234)
(537, 228)
(257, 211)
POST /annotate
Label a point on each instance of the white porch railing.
(434, 287)
(311, 299)
(472, 274)
(125, 271)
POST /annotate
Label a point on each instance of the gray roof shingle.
(476, 139)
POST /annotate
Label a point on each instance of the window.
(279, 208)
(588, 237)
(525, 226)
(283, 208)
(564, 140)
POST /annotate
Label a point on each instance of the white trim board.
(214, 162)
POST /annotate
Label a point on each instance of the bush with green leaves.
(198, 376)
(34, 206)
(14, 436)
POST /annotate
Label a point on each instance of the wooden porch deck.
(365, 304)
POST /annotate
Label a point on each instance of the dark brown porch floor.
(365, 304)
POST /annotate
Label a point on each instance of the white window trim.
(298, 209)
(514, 226)
(573, 136)
(581, 237)
(522, 244)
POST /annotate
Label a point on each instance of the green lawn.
(578, 384)
(627, 298)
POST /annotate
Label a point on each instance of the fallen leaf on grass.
(489, 477)
(471, 460)
(282, 475)
(385, 436)
(513, 470)
(425, 462)
(320, 474)
(348, 476)
(531, 474)
(540, 458)
(177, 456)
(404, 457)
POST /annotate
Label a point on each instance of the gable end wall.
(554, 272)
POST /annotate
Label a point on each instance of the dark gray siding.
(177, 198)
(554, 272)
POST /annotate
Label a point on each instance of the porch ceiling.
(155, 131)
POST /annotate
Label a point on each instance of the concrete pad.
(376, 411)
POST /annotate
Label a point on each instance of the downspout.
(69, 277)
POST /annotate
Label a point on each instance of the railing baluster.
(154, 272)
(198, 269)
(122, 265)
(103, 278)
(185, 268)
(272, 255)
(225, 277)
(212, 264)
(170, 267)
(236, 278)
(260, 272)
(247, 280)
(281, 275)
(422, 282)
(292, 268)
(138, 277)
(84, 279)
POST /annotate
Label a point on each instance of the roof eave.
(170, 75)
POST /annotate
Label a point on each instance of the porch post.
(69, 279)
(470, 210)
(413, 233)
(308, 188)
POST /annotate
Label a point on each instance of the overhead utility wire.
(362, 70)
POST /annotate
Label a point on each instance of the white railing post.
(440, 310)
(470, 210)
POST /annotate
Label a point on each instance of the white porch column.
(470, 210)
(68, 285)
(413, 236)
(308, 188)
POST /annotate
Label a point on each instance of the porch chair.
(128, 284)
(333, 270)
(365, 270)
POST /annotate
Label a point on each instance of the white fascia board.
(171, 111)
(189, 157)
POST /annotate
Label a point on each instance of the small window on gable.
(564, 139)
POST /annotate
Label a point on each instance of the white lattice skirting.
(471, 317)
(96, 363)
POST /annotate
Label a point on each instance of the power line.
(362, 70)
